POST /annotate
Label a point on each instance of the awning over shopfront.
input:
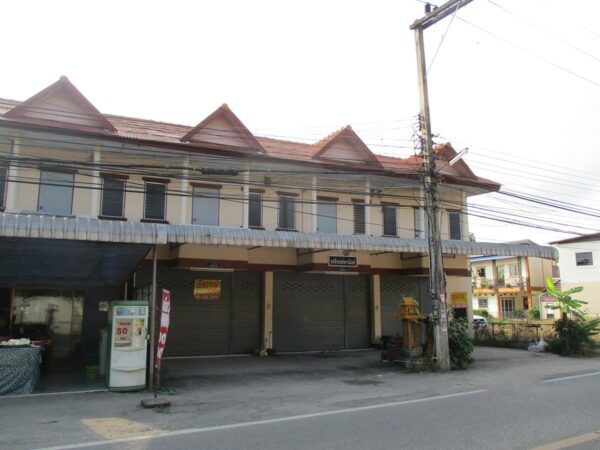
(83, 229)
(53, 262)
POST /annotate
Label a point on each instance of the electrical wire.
(529, 52)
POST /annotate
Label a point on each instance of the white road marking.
(46, 394)
(572, 377)
(263, 422)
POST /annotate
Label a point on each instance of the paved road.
(517, 416)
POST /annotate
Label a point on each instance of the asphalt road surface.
(555, 413)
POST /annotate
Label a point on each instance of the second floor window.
(3, 180)
(454, 225)
(155, 203)
(389, 221)
(113, 196)
(359, 218)
(56, 192)
(287, 213)
(326, 216)
(255, 210)
(206, 206)
(584, 259)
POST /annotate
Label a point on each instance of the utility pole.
(437, 285)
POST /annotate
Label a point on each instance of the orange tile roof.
(171, 134)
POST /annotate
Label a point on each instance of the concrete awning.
(84, 229)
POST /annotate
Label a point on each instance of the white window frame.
(44, 186)
(323, 217)
(195, 198)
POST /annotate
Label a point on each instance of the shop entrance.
(50, 317)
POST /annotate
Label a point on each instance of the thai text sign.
(343, 261)
(459, 298)
(207, 289)
(164, 325)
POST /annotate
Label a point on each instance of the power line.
(529, 52)
(546, 32)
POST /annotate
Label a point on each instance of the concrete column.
(268, 310)
(185, 187)
(13, 186)
(96, 182)
(376, 305)
(368, 227)
(246, 198)
(313, 205)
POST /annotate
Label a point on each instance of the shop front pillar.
(376, 305)
(268, 310)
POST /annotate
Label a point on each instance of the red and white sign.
(164, 325)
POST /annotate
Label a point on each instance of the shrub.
(460, 344)
(482, 312)
(575, 338)
(534, 313)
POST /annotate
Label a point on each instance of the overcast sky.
(519, 87)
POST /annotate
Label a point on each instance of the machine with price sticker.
(127, 346)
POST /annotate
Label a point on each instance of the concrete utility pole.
(437, 285)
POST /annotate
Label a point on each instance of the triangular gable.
(448, 152)
(345, 146)
(60, 102)
(224, 129)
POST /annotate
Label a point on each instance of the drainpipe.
(152, 320)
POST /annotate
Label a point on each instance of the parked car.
(479, 322)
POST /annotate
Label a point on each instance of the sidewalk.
(216, 391)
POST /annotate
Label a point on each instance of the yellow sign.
(459, 298)
(207, 289)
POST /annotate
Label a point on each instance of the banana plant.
(566, 303)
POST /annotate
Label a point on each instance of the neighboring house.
(580, 266)
(506, 286)
(262, 242)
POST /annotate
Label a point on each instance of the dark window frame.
(393, 211)
(122, 180)
(455, 216)
(289, 199)
(148, 183)
(257, 202)
(359, 214)
(4, 186)
(584, 259)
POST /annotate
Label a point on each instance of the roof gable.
(224, 129)
(60, 102)
(345, 146)
(447, 152)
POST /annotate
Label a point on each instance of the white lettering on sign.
(164, 326)
(343, 261)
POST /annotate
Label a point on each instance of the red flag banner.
(164, 325)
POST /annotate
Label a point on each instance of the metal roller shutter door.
(197, 327)
(393, 288)
(246, 311)
(320, 312)
(212, 327)
(358, 311)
